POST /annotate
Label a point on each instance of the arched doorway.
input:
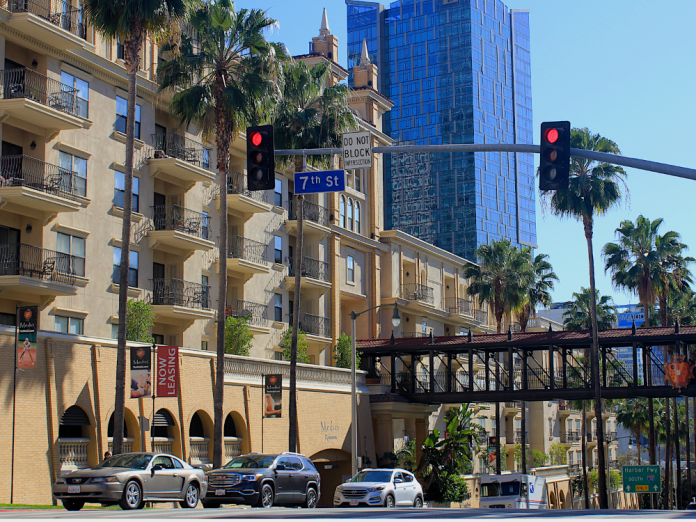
(131, 433)
(552, 500)
(334, 467)
(233, 432)
(200, 435)
(75, 436)
(562, 498)
(165, 433)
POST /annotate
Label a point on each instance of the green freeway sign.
(642, 479)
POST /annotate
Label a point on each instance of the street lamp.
(396, 321)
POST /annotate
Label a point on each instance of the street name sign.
(318, 182)
(642, 479)
(357, 150)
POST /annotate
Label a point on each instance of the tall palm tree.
(216, 81)
(501, 277)
(594, 189)
(632, 414)
(131, 21)
(578, 316)
(538, 291)
(310, 115)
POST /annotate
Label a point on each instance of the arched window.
(350, 214)
(196, 427)
(161, 423)
(230, 430)
(343, 211)
(110, 428)
(357, 216)
(71, 423)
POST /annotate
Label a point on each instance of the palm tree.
(632, 414)
(502, 277)
(582, 406)
(217, 81)
(538, 292)
(310, 115)
(578, 316)
(131, 21)
(594, 189)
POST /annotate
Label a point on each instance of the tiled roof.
(373, 90)
(318, 55)
(387, 397)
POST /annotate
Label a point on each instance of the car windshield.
(129, 460)
(372, 476)
(490, 490)
(251, 462)
(510, 488)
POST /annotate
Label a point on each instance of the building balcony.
(176, 300)
(179, 160)
(610, 436)
(420, 296)
(313, 325)
(413, 335)
(73, 453)
(573, 469)
(315, 219)
(54, 22)
(511, 408)
(37, 104)
(241, 201)
(178, 230)
(255, 312)
(570, 437)
(564, 409)
(245, 258)
(316, 275)
(34, 188)
(459, 306)
(481, 316)
(27, 270)
(614, 464)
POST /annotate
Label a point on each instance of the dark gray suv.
(263, 479)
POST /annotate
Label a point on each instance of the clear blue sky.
(622, 68)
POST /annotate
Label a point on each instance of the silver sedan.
(130, 480)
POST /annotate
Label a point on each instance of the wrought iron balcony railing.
(313, 324)
(412, 335)
(457, 305)
(514, 405)
(239, 247)
(57, 12)
(29, 84)
(177, 292)
(25, 171)
(254, 311)
(570, 436)
(313, 268)
(237, 184)
(481, 316)
(417, 292)
(176, 217)
(38, 263)
(573, 469)
(175, 145)
(518, 436)
(310, 212)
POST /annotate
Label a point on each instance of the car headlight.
(251, 478)
(60, 480)
(375, 488)
(98, 480)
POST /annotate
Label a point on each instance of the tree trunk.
(132, 58)
(224, 137)
(668, 455)
(677, 494)
(498, 456)
(601, 461)
(524, 438)
(585, 484)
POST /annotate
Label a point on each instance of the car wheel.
(210, 505)
(389, 501)
(311, 500)
(73, 505)
(266, 496)
(191, 497)
(418, 503)
(132, 497)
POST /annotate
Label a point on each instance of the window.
(278, 194)
(204, 345)
(278, 244)
(343, 211)
(70, 325)
(356, 181)
(120, 187)
(205, 292)
(119, 48)
(571, 454)
(350, 214)
(205, 226)
(122, 114)
(114, 331)
(78, 183)
(357, 216)
(159, 339)
(278, 305)
(81, 91)
(550, 427)
(133, 267)
(74, 246)
(351, 269)
(8, 319)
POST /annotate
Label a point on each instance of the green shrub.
(139, 321)
(286, 344)
(238, 336)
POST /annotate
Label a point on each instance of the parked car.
(380, 487)
(263, 479)
(130, 480)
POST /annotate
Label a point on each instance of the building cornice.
(402, 238)
(358, 239)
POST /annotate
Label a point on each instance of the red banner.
(167, 371)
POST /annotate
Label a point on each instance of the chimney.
(326, 43)
(365, 73)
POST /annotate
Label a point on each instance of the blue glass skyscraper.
(458, 71)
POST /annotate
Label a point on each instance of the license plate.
(73, 489)
(353, 502)
(220, 492)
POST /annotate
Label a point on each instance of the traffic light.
(554, 163)
(260, 158)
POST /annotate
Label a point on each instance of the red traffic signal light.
(260, 158)
(552, 135)
(554, 156)
(256, 139)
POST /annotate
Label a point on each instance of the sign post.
(642, 479)
(357, 150)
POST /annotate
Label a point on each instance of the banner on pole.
(273, 396)
(141, 372)
(27, 328)
(167, 371)
(492, 444)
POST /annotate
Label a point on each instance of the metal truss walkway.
(539, 366)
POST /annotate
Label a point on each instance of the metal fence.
(256, 312)
(239, 247)
(237, 184)
(57, 12)
(25, 171)
(28, 84)
(310, 212)
(313, 324)
(313, 268)
(175, 145)
(37, 263)
(457, 305)
(481, 316)
(181, 219)
(177, 292)
(417, 292)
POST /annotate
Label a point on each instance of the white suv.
(380, 487)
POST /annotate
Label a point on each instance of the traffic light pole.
(650, 166)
